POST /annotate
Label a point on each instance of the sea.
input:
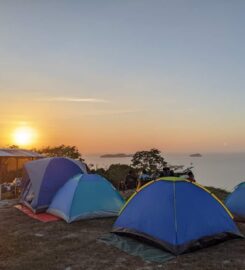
(224, 170)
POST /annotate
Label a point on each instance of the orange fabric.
(43, 217)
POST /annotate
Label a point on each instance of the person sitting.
(191, 176)
(165, 172)
(155, 175)
(188, 176)
(131, 180)
(171, 173)
(122, 186)
(143, 179)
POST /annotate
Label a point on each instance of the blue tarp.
(137, 248)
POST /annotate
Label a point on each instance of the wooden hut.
(12, 161)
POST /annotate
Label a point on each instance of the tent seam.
(175, 210)
(69, 216)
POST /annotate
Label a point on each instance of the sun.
(23, 136)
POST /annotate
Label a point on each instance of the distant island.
(120, 155)
(196, 155)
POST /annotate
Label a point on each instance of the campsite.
(67, 216)
(122, 135)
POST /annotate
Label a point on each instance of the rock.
(39, 234)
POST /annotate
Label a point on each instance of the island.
(120, 155)
(196, 155)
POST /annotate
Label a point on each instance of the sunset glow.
(24, 136)
(123, 77)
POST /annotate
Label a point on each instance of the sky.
(120, 76)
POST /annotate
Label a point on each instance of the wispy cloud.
(112, 112)
(74, 99)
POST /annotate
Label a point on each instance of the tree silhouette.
(61, 151)
(148, 160)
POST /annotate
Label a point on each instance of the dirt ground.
(29, 244)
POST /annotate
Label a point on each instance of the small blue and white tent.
(86, 196)
(175, 214)
(44, 177)
(235, 202)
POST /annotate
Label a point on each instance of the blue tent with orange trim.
(236, 202)
(177, 215)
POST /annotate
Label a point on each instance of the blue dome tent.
(235, 202)
(175, 214)
(44, 177)
(86, 196)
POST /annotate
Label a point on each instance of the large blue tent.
(86, 196)
(176, 214)
(44, 177)
(236, 202)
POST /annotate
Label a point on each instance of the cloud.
(74, 99)
(111, 112)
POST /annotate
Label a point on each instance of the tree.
(61, 151)
(148, 160)
(117, 173)
(13, 146)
